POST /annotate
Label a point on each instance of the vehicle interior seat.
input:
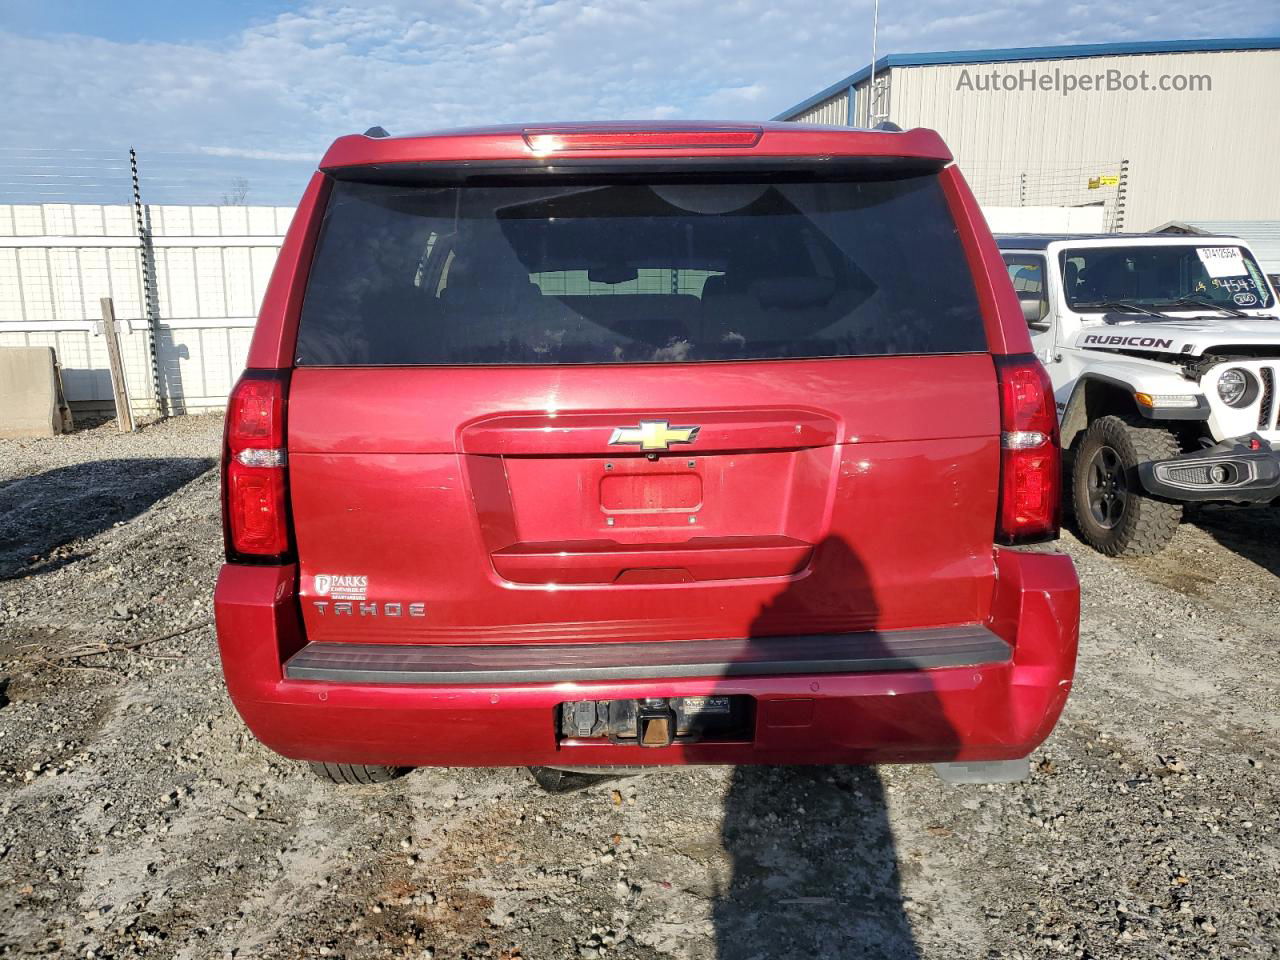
(485, 296)
(1108, 279)
(749, 313)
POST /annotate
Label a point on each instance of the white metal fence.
(211, 268)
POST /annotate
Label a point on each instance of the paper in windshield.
(1222, 262)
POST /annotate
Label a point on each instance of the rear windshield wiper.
(1123, 305)
(1201, 302)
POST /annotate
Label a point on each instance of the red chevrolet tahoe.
(605, 445)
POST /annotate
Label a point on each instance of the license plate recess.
(657, 721)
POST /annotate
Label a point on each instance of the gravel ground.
(137, 817)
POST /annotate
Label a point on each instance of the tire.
(1113, 514)
(356, 773)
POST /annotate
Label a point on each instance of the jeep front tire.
(1113, 514)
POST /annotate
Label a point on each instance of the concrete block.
(31, 403)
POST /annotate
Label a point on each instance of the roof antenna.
(380, 132)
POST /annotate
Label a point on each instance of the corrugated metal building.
(1168, 130)
(1263, 236)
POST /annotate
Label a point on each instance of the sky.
(220, 91)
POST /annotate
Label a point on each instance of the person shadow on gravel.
(814, 867)
(62, 505)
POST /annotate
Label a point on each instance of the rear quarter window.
(636, 273)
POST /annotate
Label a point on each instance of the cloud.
(250, 154)
(277, 92)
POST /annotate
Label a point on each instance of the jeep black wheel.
(1113, 513)
(1105, 487)
(356, 773)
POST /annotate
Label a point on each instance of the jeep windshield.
(637, 273)
(1166, 278)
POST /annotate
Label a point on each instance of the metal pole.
(1122, 187)
(147, 254)
(871, 82)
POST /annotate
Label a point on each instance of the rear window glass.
(636, 273)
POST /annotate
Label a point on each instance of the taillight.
(556, 139)
(255, 507)
(1030, 456)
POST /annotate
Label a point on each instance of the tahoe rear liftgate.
(601, 437)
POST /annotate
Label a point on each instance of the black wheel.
(356, 773)
(1113, 513)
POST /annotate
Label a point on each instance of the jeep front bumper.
(1241, 470)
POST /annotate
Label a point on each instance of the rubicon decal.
(1146, 343)
(341, 586)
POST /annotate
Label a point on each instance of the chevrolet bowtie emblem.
(653, 435)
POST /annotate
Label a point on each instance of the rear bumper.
(1000, 706)
(1233, 471)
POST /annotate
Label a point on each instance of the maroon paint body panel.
(487, 504)
(989, 712)
(441, 465)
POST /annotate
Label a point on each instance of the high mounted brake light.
(1030, 455)
(255, 515)
(553, 140)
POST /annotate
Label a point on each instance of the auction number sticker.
(1222, 261)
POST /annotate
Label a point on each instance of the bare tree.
(239, 192)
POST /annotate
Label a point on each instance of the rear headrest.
(716, 286)
(793, 292)
(469, 277)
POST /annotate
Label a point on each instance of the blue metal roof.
(1062, 52)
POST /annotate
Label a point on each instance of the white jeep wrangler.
(1164, 353)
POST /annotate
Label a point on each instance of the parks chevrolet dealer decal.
(347, 595)
(341, 586)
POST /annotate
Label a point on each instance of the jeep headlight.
(1237, 387)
